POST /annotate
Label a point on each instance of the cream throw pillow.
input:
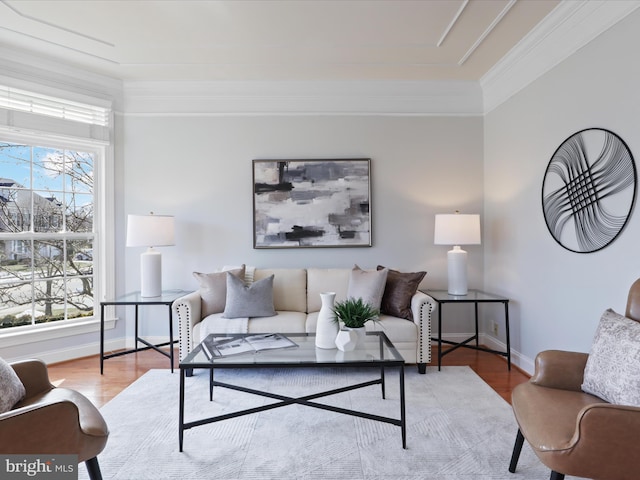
(368, 285)
(213, 289)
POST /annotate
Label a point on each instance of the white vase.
(349, 339)
(346, 340)
(326, 327)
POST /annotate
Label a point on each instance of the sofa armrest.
(188, 311)
(423, 308)
(34, 376)
(560, 369)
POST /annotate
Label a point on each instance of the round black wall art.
(589, 190)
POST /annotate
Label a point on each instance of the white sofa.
(296, 299)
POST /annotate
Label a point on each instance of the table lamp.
(457, 229)
(150, 231)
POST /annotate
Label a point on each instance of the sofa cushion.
(213, 289)
(11, 388)
(326, 280)
(255, 300)
(216, 323)
(283, 322)
(368, 285)
(612, 371)
(289, 287)
(398, 291)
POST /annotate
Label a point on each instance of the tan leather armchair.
(573, 432)
(52, 420)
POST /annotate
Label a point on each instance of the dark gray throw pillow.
(398, 292)
(255, 300)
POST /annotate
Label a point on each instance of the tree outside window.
(46, 234)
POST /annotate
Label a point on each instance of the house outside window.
(47, 204)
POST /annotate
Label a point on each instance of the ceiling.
(270, 40)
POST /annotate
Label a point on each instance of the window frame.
(104, 244)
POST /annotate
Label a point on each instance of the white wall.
(199, 169)
(558, 296)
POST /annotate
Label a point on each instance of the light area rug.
(457, 428)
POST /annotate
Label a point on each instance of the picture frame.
(311, 203)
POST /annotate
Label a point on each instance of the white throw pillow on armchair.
(612, 371)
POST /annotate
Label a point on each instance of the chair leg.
(517, 448)
(93, 468)
(422, 368)
(556, 476)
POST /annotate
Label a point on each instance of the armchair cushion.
(213, 289)
(398, 292)
(612, 371)
(11, 388)
(255, 300)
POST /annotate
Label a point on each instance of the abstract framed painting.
(312, 203)
(589, 190)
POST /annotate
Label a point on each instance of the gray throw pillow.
(213, 289)
(612, 371)
(11, 388)
(368, 285)
(255, 300)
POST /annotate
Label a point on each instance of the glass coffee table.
(377, 353)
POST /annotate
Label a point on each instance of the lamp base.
(457, 271)
(151, 273)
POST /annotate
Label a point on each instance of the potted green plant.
(353, 314)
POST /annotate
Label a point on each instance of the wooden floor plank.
(119, 372)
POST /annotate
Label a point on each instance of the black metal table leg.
(171, 337)
(136, 334)
(403, 420)
(181, 414)
(101, 339)
(506, 322)
(477, 330)
(439, 336)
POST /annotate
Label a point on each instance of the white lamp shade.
(150, 231)
(457, 229)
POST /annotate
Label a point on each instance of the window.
(56, 211)
(47, 234)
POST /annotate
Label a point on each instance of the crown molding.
(303, 97)
(40, 74)
(570, 26)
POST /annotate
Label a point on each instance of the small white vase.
(349, 339)
(326, 327)
(346, 340)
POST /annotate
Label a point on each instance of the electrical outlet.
(495, 328)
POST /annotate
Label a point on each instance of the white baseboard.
(87, 350)
(55, 356)
(523, 362)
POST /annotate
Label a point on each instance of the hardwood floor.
(119, 372)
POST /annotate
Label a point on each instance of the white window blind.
(25, 101)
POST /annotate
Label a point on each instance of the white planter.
(326, 327)
(349, 339)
